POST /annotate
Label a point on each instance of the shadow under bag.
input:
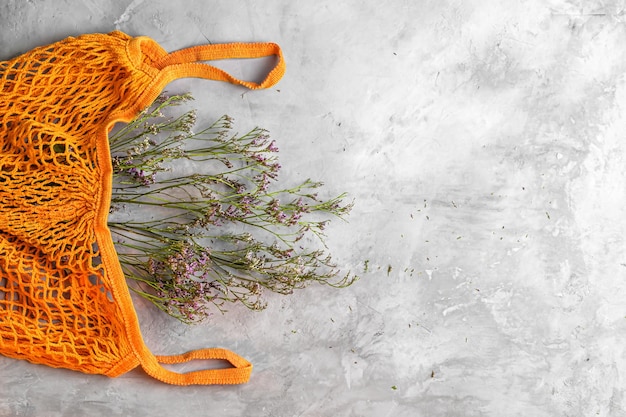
(64, 301)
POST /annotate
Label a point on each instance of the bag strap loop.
(238, 373)
(188, 62)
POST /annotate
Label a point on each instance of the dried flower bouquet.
(193, 242)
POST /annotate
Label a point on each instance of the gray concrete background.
(483, 143)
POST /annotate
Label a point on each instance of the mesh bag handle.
(238, 373)
(188, 62)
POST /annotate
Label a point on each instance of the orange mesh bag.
(64, 301)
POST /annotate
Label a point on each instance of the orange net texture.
(64, 301)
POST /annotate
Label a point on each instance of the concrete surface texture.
(483, 143)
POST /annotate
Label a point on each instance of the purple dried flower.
(260, 140)
(231, 212)
(274, 168)
(141, 177)
(204, 259)
(301, 205)
(272, 147)
(260, 158)
(281, 216)
(294, 218)
(246, 202)
(274, 206)
(262, 181)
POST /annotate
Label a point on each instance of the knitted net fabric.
(63, 297)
